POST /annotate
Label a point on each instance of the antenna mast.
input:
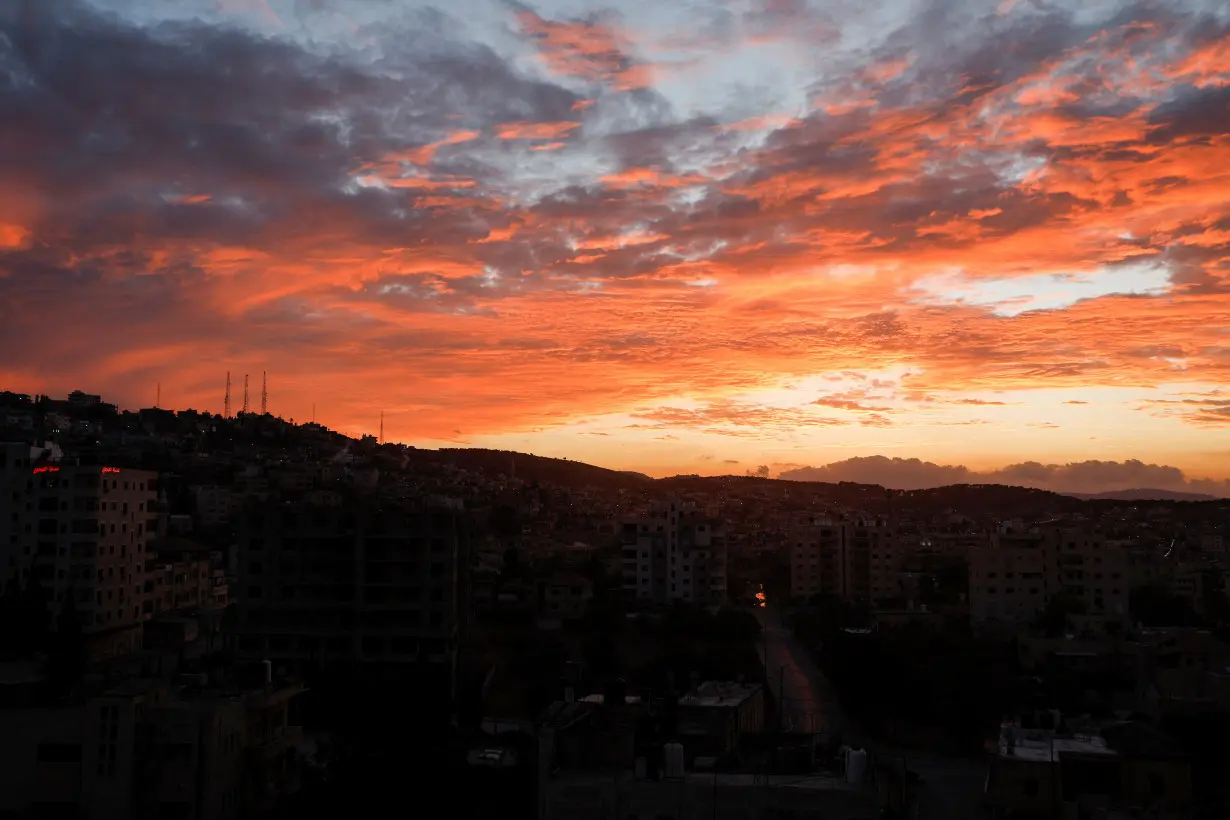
(264, 392)
(158, 397)
(226, 402)
(245, 394)
(382, 427)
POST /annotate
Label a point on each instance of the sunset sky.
(694, 236)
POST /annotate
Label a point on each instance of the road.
(806, 699)
(950, 787)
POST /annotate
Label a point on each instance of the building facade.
(1023, 570)
(673, 553)
(91, 528)
(857, 560)
(378, 585)
(16, 503)
(151, 749)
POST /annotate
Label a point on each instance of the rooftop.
(711, 780)
(725, 694)
(1042, 745)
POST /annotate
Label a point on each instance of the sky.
(702, 236)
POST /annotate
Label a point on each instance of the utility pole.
(245, 394)
(382, 427)
(226, 402)
(158, 397)
(264, 392)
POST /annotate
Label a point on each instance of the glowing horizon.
(661, 238)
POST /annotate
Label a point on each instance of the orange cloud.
(591, 51)
(535, 130)
(637, 177)
(13, 236)
(424, 154)
(1017, 228)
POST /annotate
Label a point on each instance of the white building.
(673, 553)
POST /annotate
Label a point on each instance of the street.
(807, 702)
(950, 788)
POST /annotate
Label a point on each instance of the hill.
(1142, 494)
(560, 471)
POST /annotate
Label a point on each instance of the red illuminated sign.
(38, 470)
(110, 469)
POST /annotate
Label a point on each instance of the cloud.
(592, 50)
(1075, 477)
(548, 218)
(731, 418)
(1210, 409)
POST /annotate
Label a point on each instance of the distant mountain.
(1142, 494)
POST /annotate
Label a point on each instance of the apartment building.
(378, 584)
(817, 557)
(858, 559)
(181, 576)
(674, 553)
(151, 749)
(1011, 579)
(876, 539)
(1023, 570)
(91, 527)
(214, 504)
(1092, 570)
(15, 503)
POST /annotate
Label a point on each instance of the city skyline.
(658, 238)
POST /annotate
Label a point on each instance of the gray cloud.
(1075, 477)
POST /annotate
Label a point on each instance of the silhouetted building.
(16, 506)
(152, 749)
(371, 584)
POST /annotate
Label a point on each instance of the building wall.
(817, 558)
(152, 754)
(671, 553)
(91, 529)
(700, 797)
(1020, 573)
(40, 758)
(15, 504)
(857, 560)
(365, 584)
(1010, 581)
